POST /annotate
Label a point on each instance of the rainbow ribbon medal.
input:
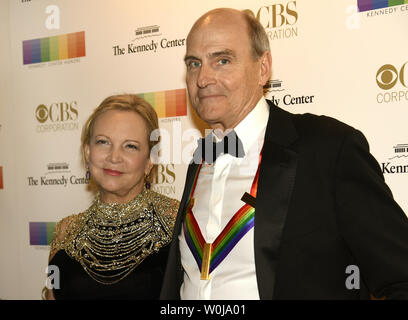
(209, 255)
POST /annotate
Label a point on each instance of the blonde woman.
(117, 248)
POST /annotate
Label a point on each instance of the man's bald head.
(255, 31)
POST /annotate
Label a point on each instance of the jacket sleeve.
(372, 224)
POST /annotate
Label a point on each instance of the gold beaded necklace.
(111, 240)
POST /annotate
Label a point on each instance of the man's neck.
(230, 124)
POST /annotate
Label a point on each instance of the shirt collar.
(251, 126)
(249, 129)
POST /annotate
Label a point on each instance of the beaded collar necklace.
(111, 240)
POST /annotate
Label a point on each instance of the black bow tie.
(209, 151)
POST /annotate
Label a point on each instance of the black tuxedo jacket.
(322, 206)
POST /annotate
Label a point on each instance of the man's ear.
(265, 68)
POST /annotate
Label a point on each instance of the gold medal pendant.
(191, 204)
(205, 267)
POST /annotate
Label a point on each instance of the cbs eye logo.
(41, 113)
(387, 76)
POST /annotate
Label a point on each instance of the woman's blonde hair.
(124, 102)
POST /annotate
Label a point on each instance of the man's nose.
(206, 76)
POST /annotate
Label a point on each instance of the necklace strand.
(116, 238)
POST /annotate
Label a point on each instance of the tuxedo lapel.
(191, 173)
(174, 274)
(276, 181)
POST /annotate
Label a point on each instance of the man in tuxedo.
(299, 210)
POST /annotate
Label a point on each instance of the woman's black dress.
(143, 283)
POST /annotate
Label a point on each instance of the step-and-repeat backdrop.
(347, 59)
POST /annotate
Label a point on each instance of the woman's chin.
(114, 194)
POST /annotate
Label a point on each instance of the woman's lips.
(112, 172)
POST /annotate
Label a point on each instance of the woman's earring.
(88, 173)
(147, 182)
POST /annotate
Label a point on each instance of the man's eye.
(223, 61)
(193, 64)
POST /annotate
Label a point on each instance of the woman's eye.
(101, 141)
(132, 146)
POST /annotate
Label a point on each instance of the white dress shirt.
(218, 193)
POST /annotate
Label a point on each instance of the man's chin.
(209, 114)
(209, 119)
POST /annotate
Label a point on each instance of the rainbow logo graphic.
(172, 103)
(41, 233)
(1, 177)
(366, 5)
(66, 46)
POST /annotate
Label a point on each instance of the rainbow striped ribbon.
(242, 221)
